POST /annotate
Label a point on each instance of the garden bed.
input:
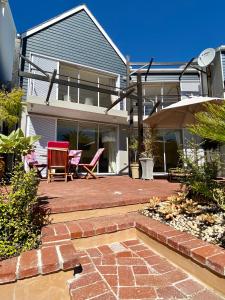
(204, 220)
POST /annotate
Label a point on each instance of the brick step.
(48, 259)
(58, 253)
(85, 228)
(210, 256)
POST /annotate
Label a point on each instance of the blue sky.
(168, 30)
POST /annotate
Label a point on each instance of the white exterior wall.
(190, 88)
(7, 42)
(44, 126)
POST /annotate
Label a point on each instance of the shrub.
(200, 173)
(21, 218)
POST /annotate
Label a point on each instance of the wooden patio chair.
(89, 168)
(58, 160)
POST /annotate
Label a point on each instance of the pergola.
(132, 91)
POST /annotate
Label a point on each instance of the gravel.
(211, 232)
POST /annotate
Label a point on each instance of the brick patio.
(131, 270)
(104, 192)
(122, 269)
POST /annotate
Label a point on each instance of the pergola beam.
(120, 99)
(51, 85)
(35, 66)
(186, 67)
(149, 66)
(76, 84)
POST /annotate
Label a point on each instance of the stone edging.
(58, 253)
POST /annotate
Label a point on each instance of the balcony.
(73, 102)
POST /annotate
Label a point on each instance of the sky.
(167, 30)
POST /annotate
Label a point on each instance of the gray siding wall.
(217, 76)
(78, 40)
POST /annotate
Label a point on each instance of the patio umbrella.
(180, 114)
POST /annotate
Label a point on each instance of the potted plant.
(147, 156)
(134, 165)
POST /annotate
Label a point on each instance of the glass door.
(88, 141)
(67, 131)
(173, 140)
(108, 140)
(167, 146)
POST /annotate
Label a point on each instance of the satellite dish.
(206, 57)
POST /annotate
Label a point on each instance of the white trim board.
(67, 14)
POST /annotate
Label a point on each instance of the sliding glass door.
(168, 143)
(87, 141)
(108, 140)
(89, 137)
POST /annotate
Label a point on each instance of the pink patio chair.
(75, 156)
(32, 163)
(89, 168)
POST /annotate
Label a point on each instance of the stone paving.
(109, 191)
(131, 270)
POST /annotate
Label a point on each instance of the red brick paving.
(109, 191)
(107, 275)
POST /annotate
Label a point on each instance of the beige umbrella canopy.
(180, 114)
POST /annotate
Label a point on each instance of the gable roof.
(66, 15)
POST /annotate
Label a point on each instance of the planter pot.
(147, 165)
(134, 170)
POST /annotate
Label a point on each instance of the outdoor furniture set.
(62, 162)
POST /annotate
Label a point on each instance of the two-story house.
(76, 45)
(78, 48)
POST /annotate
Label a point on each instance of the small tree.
(210, 123)
(11, 106)
(134, 147)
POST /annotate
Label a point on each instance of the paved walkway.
(109, 191)
(131, 270)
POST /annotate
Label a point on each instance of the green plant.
(149, 145)
(134, 147)
(154, 202)
(21, 218)
(219, 196)
(210, 123)
(208, 219)
(199, 172)
(17, 143)
(189, 206)
(11, 106)
(169, 210)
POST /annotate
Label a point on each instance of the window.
(68, 93)
(87, 77)
(167, 93)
